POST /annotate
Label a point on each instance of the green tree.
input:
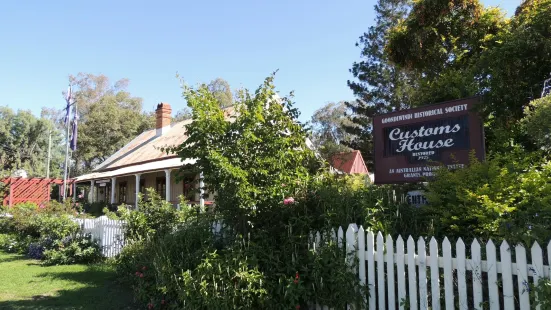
(246, 156)
(537, 122)
(442, 42)
(109, 118)
(379, 85)
(182, 115)
(328, 129)
(24, 143)
(516, 67)
(222, 92)
(460, 48)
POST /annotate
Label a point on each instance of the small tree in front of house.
(254, 157)
(251, 155)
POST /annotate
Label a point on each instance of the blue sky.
(312, 43)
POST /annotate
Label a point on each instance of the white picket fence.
(109, 233)
(400, 273)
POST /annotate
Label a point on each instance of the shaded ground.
(24, 284)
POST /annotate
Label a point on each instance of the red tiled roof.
(349, 162)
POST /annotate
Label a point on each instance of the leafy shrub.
(164, 257)
(339, 201)
(56, 227)
(25, 205)
(49, 234)
(5, 224)
(56, 207)
(540, 295)
(259, 168)
(155, 217)
(36, 250)
(95, 208)
(335, 284)
(14, 243)
(225, 281)
(537, 122)
(31, 220)
(74, 249)
(506, 197)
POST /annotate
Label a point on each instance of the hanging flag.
(74, 133)
(68, 107)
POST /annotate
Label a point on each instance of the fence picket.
(361, 255)
(390, 272)
(434, 274)
(522, 277)
(549, 259)
(422, 256)
(537, 266)
(492, 275)
(461, 273)
(317, 240)
(351, 248)
(448, 274)
(401, 274)
(371, 270)
(340, 235)
(381, 271)
(507, 276)
(350, 243)
(412, 274)
(476, 267)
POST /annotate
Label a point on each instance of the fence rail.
(109, 233)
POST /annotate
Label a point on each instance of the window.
(161, 186)
(122, 192)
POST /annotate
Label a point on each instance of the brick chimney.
(163, 115)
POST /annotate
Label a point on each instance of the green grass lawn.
(25, 284)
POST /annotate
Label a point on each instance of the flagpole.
(66, 158)
(68, 122)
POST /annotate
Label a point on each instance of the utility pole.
(49, 153)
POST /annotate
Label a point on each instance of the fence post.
(361, 255)
(412, 274)
(507, 276)
(492, 275)
(381, 271)
(401, 273)
(371, 270)
(434, 273)
(522, 277)
(422, 255)
(448, 274)
(477, 274)
(461, 273)
(351, 248)
(340, 235)
(390, 272)
(537, 266)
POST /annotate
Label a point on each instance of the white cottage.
(140, 164)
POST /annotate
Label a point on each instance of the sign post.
(410, 145)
